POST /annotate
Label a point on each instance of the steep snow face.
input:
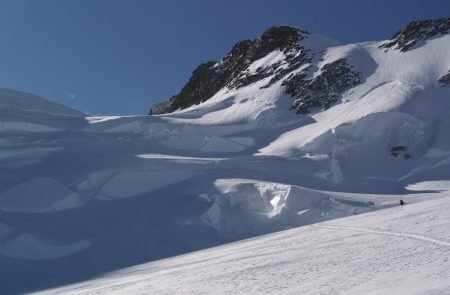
(246, 206)
(401, 103)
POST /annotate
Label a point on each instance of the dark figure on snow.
(402, 203)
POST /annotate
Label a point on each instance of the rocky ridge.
(417, 31)
(445, 80)
(323, 90)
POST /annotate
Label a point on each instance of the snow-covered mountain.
(356, 102)
(315, 71)
(287, 130)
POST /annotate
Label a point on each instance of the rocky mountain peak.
(293, 58)
(281, 37)
(417, 31)
(229, 72)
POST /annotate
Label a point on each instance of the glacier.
(85, 196)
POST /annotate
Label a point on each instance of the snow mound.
(25, 126)
(30, 247)
(181, 159)
(133, 183)
(12, 99)
(31, 152)
(39, 195)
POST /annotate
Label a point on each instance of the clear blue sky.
(121, 56)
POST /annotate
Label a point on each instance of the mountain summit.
(294, 58)
(234, 71)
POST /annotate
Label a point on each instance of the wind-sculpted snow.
(30, 247)
(244, 206)
(17, 244)
(39, 195)
(132, 183)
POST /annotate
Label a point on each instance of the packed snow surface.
(394, 251)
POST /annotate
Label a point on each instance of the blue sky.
(120, 57)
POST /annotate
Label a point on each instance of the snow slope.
(82, 196)
(22, 101)
(393, 251)
(403, 82)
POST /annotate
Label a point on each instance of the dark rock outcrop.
(204, 83)
(284, 38)
(417, 31)
(445, 80)
(399, 150)
(323, 90)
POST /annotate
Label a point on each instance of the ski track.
(413, 236)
